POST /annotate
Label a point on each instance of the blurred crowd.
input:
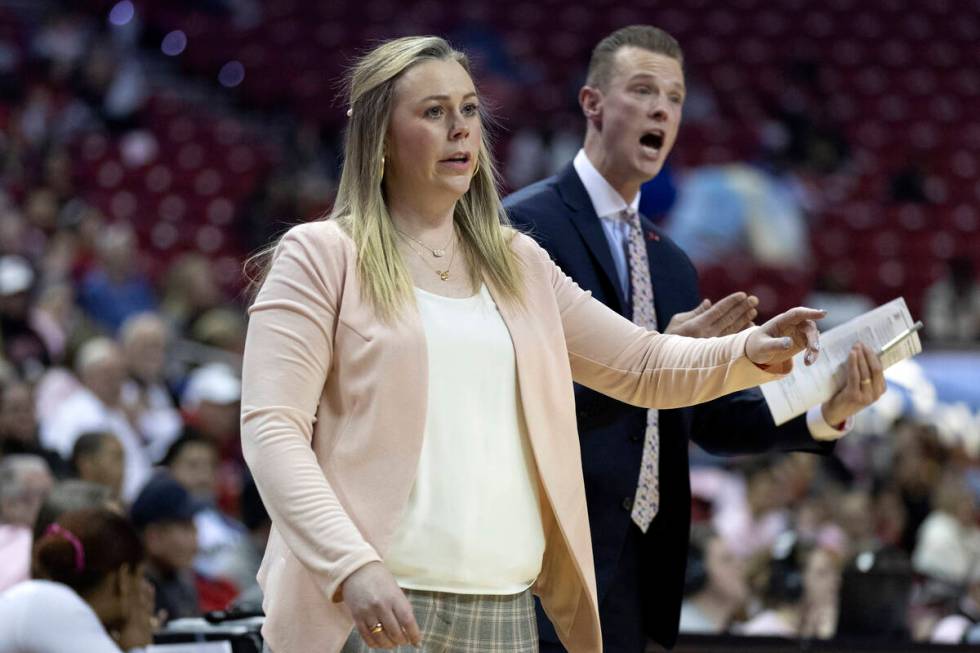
(120, 386)
(119, 379)
(878, 540)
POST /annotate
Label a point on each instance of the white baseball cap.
(215, 382)
(16, 275)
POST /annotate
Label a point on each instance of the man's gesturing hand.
(707, 320)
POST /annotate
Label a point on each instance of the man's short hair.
(68, 495)
(88, 444)
(646, 37)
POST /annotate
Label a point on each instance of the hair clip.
(58, 529)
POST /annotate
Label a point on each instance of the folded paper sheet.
(809, 386)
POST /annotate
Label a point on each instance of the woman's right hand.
(374, 598)
(137, 631)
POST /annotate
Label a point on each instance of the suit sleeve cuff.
(821, 430)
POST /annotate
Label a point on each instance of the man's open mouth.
(653, 139)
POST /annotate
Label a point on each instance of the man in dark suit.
(586, 218)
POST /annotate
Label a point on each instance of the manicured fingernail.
(787, 343)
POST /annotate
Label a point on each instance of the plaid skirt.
(467, 623)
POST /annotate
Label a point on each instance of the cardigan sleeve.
(614, 356)
(287, 358)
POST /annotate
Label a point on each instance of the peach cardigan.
(333, 411)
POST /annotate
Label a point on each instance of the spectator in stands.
(113, 86)
(222, 328)
(749, 509)
(23, 346)
(211, 405)
(145, 394)
(97, 406)
(952, 304)
(193, 462)
(71, 495)
(916, 472)
(19, 429)
(99, 457)
(821, 589)
(24, 482)
(89, 593)
(739, 210)
(778, 580)
(715, 587)
(163, 513)
(13, 230)
(948, 545)
(890, 517)
(41, 211)
(853, 511)
(116, 290)
(190, 290)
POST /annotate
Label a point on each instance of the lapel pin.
(652, 235)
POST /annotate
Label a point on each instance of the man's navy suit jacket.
(559, 214)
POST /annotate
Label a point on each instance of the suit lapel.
(586, 222)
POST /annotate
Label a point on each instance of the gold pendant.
(443, 274)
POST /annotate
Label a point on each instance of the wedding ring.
(377, 628)
(865, 381)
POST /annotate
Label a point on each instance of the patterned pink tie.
(647, 499)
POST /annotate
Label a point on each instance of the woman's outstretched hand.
(776, 342)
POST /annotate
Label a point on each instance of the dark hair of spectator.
(88, 444)
(645, 37)
(87, 546)
(190, 436)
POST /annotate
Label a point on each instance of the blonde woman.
(407, 405)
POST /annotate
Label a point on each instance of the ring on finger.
(865, 381)
(377, 628)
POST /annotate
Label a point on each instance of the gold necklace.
(443, 274)
(439, 252)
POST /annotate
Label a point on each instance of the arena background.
(829, 155)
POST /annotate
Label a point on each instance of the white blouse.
(473, 521)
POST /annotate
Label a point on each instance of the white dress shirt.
(82, 412)
(609, 205)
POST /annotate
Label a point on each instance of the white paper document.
(809, 386)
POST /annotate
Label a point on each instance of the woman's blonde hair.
(360, 207)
